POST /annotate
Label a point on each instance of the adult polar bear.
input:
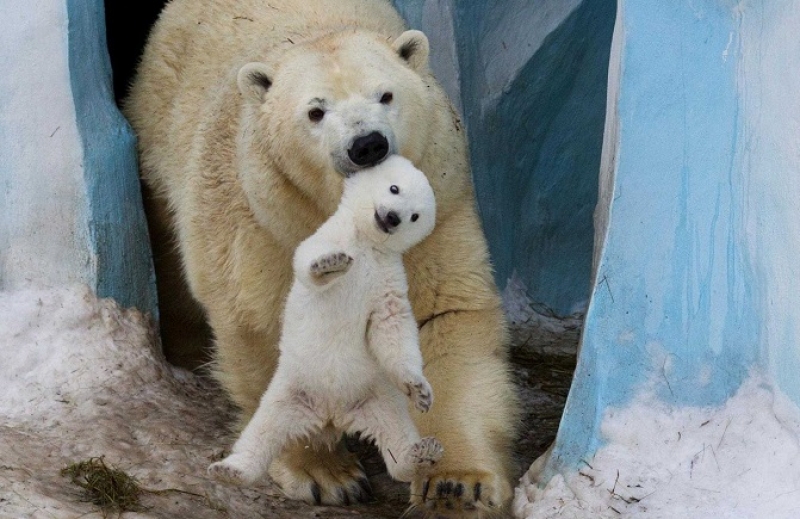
(243, 175)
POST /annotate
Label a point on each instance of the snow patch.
(737, 461)
(83, 378)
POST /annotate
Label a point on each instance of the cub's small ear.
(254, 79)
(413, 47)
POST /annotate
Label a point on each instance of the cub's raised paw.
(420, 392)
(473, 495)
(327, 267)
(426, 452)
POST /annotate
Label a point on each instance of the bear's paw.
(444, 493)
(321, 476)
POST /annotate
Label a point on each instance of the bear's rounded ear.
(254, 80)
(412, 47)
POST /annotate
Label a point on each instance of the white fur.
(350, 346)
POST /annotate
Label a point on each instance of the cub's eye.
(386, 98)
(316, 114)
(394, 190)
(414, 217)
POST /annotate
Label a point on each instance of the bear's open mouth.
(382, 224)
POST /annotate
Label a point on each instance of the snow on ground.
(82, 378)
(738, 461)
(534, 328)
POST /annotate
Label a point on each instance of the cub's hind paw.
(330, 266)
(226, 473)
(236, 470)
(426, 452)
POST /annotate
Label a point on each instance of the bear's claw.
(321, 477)
(459, 494)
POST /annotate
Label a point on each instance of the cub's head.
(326, 108)
(392, 204)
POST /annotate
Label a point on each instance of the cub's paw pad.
(426, 452)
(334, 263)
(421, 394)
(460, 494)
(226, 472)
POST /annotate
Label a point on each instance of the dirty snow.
(738, 461)
(535, 328)
(81, 378)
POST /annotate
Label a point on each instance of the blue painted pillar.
(117, 225)
(696, 272)
(70, 204)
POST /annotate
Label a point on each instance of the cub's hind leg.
(284, 415)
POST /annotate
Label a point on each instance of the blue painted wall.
(117, 225)
(536, 149)
(532, 89)
(688, 269)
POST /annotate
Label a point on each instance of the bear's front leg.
(463, 339)
(323, 257)
(473, 417)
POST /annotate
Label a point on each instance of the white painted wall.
(43, 209)
(70, 202)
(769, 82)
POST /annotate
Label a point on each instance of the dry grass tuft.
(111, 489)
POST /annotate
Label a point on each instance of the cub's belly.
(336, 372)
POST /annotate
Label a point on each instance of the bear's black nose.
(369, 149)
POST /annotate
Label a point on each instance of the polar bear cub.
(349, 349)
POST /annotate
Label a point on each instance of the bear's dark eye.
(394, 190)
(316, 114)
(386, 98)
(414, 217)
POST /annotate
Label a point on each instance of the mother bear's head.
(327, 107)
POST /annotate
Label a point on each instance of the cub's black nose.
(392, 220)
(369, 149)
(389, 222)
